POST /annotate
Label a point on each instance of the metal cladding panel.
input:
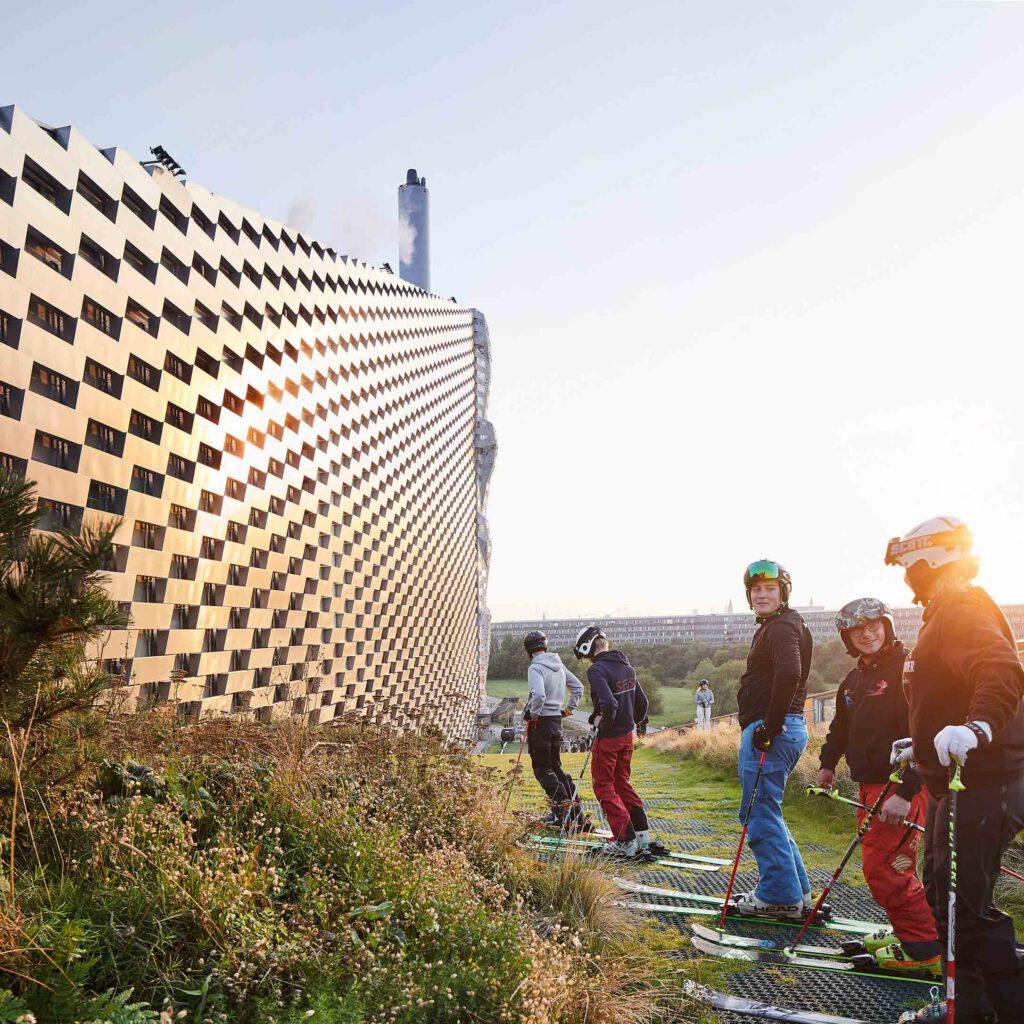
(288, 436)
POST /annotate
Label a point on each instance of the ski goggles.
(764, 570)
(897, 550)
(856, 613)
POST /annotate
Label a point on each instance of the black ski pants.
(545, 746)
(989, 976)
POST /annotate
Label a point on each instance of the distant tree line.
(680, 664)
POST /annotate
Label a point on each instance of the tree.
(53, 604)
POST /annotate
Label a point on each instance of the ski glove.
(956, 741)
(902, 752)
(762, 739)
(641, 728)
(526, 715)
(594, 716)
(566, 712)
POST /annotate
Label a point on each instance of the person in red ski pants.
(871, 711)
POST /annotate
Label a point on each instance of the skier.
(871, 714)
(965, 682)
(548, 678)
(620, 705)
(771, 701)
(704, 698)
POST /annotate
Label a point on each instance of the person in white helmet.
(965, 685)
(704, 698)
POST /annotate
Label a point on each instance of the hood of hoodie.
(548, 659)
(613, 656)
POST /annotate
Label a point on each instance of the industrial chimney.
(414, 231)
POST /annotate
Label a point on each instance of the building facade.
(291, 438)
(715, 630)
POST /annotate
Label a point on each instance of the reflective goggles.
(763, 570)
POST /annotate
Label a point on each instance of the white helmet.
(937, 541)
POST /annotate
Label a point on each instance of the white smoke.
(406, 240)
(300, 214)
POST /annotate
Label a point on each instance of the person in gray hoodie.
(548, 679)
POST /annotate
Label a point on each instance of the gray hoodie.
(548, 678)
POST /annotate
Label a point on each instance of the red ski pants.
(609, 772)
(889, 854)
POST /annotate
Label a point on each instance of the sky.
(752, 272)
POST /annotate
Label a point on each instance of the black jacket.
(775, 683)
(871, 714)
(964, 667)
(616, 693)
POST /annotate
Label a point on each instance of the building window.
(142, 317)
(98, 257)
(178, 417)
(209, 456)
(140, 370)
(56, 451)
(173, 214)
(145, 426)
(208, 410)
(203, 221)
(208, 272)
(227, 226)
(11, 399)
(95, 196)
(106, 439)
(46, 185)
(180, 567)
(134, 202)
(231, 317)
(180, 467)
(10, 329)
(139, 261)
(58, 515)
(171, 262)
(102, 319)
(48, 252)
(53, 385)
(102, 378)
(178, 367)
(206, 317)
(106, 497)
(51, 319)
(147, 481)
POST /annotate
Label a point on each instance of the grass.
(507, 688)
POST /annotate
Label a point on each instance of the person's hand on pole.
(895, 810)
(762, 739)
(902, 752)
(955, 742)
(566, 712)
(826, 778)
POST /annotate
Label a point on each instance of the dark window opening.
(56, 451)
(10, 329)
(226, 225)
(209, 456)
(180, 467)
(176, 317)
(171, 263)
(134, 202)
(102, 378)
(98, 257)
(51, 319)
(145, 426)
(233, 318)
(107, 498)
(173, 214)
(53, 385)
(11, 400)
(178, 417)
(106, 439)
(8, 258)
(229, 272)
(251, 233)
(142, 318)
(138, 260)
(204, 268)
(206, 317)
(147, 481)
(58, 515)
(208, 410)
(270, 236)
(232, 359)
(46, 185)
(140, 370)
(203, 221)
(49, 252)
(95, 196)
(100, 318)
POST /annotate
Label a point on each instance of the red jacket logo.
(878, 689)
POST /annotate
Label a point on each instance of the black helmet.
(856, 613)
(585, 641)
(765, 569)
(704, 682)
(535, 641)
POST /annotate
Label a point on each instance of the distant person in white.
(704, 698)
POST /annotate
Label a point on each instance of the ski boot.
(752, 905)
(551, 820)
(616, 850)
(654, 847)
(869, 943)
(933, 1013)
(894, 959)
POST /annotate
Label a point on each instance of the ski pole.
(515, 771)
(572, 798)
(864, 826)
(955, 786)
(743, 838)
(833, 794)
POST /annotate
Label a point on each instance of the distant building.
(715, 630)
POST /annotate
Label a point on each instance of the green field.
(678, 701)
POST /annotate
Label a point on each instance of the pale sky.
(752, 271)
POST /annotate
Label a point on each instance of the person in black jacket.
(871, 714)
(771, 715)
(965, 682)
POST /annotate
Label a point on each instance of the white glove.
(902, 752)
(955, 742)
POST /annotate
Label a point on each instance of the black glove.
(526, 715)
(594, 716)
(762, 739)
(641, 728)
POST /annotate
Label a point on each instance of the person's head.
(768, 586)
(935, 555)
(865, 626)
(535, 642)
(704, 684)
(590, 642)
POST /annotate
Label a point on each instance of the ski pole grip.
(956, 784)
(897, 773)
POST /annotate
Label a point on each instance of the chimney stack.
(414, 231)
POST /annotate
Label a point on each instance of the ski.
(824, 923)
(749, 942)
(755, 1008)
(682, 855)
(677, 865)
(778, 958)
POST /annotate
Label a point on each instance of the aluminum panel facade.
(287, 433)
